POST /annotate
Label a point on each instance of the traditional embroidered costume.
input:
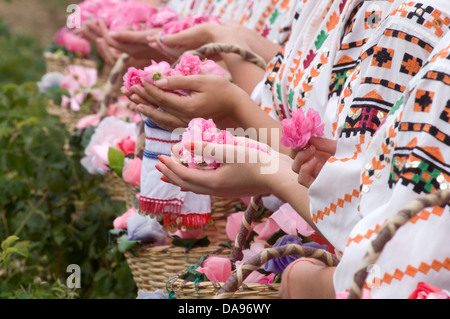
(387, 63)
(407, 156)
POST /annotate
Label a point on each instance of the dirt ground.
(37, 18)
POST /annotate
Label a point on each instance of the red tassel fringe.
(170, 212)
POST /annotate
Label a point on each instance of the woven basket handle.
(236, 251)
(113, 83)
(214, 48)
(254, 263)
(389, 229)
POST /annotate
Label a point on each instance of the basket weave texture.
(153, 266)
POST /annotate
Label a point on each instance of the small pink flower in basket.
(132, 171)
(72, 42)
(128, 145)
(298, 130)
(216, 268)
(121, 221)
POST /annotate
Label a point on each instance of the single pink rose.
(108, 133)
(76, 44)
(132, 78)
(267, 279)
(88, 120)
(121, 221)
(99, 153)
(79, 78)
(217, 269)
(201, 130)
(164, 16)
(223, 137)
(131, 172)
(128, 145)
(72, 42)
(188, 234)
(189, 65)
(156, 70)
(298, 130)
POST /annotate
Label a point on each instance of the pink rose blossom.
(189, 65)
(130, 15)
(108, 133)
(155, 71)
(298, 130)
(164, 16)
(79, 82)
(121, 221)
(132, 78)
(188, 234)
(200, 130)
(180, 25)
(132, 171)
(267, 279)
(128, 145)
(72, 42)
(217, 269)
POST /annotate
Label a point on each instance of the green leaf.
(190, 243)
(22, 248)
(8, 242)
(116, 159)
(117, 232)
(125, 244)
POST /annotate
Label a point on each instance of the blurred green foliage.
(61, 214)
(21, 58)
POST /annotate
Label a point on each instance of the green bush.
(48, 200)
(21, 58)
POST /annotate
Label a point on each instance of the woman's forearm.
(262, 127)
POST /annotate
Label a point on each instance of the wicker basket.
(221, 208)
(120, 190)
(231, 288)
(66, 116)
(234, 287)
(58, 63)
(153, 266)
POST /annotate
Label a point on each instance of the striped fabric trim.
(153, 155)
